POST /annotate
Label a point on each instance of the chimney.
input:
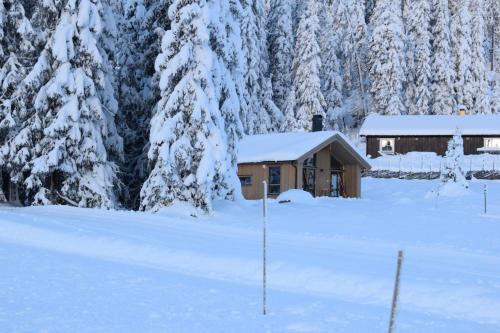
(461, 110)
(317, 123)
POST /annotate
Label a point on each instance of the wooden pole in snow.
(485, 201)
(264, 216)
(395, 293)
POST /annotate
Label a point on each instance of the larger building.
(430, 133)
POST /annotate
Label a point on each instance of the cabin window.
(492, 143)
(274, 186)
(387, 145)
(245, 180)
(336, 183)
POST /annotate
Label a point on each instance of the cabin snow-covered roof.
(280, 147)
(430, 125)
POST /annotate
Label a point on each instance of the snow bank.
(296, 196)
(449, 190)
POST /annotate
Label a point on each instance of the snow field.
(331, 265)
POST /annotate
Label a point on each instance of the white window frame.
(492, 142)
(393, 144)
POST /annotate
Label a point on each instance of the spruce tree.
(307, 65)
(387, 63)
(188, 152)
(493, 19)
(290, 122)
(226, 34)
(77, 142)
(493, 27)
(44, 19)
(442, 69)
(481, 103)
(16, 58)
(462, 54)
(418, 92)
(342, 29)
(369, 7)
(331, 78)
(452, 171)
(262, 115)
(495, 96)
(280, 39)
(358, 54)
(134, 96)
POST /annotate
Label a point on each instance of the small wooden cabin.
(323, 163)
(430, 133)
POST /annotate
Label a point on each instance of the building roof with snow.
(280, 147)
(425, 125)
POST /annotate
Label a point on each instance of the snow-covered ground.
(331, 265)
(431, 162)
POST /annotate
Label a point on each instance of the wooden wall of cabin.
(473, 142)
(260, 172)
(352, 180)
(437, 144)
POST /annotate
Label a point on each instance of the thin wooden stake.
(264, 217)
(396, 293)
(485, 199)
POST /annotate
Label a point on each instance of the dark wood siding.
(437, 144)
(472, 143)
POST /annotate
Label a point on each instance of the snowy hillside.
(331, 265)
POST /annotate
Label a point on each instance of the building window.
(387, 145)
(274, 180)
(336, 184)
(492, 143)
(245, 180)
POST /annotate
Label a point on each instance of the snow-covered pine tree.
(262, 115)
(351, 30)
(418, 92)
(16, 57)
(45, 18)
(481, 103)
(339, 17)
(75, 158)
(307, 66)
(442, 70)
(452, 170)
(387, 63)
(369, 7)
(493, 19)
(227, 45)
(290, 122)
(331, 76)
(188, 142)
(462, 54)
(280, 40)
(298, 8)
(236, 56)
(156, 22)
(358, 54)
(495, 96)
(134, 97)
